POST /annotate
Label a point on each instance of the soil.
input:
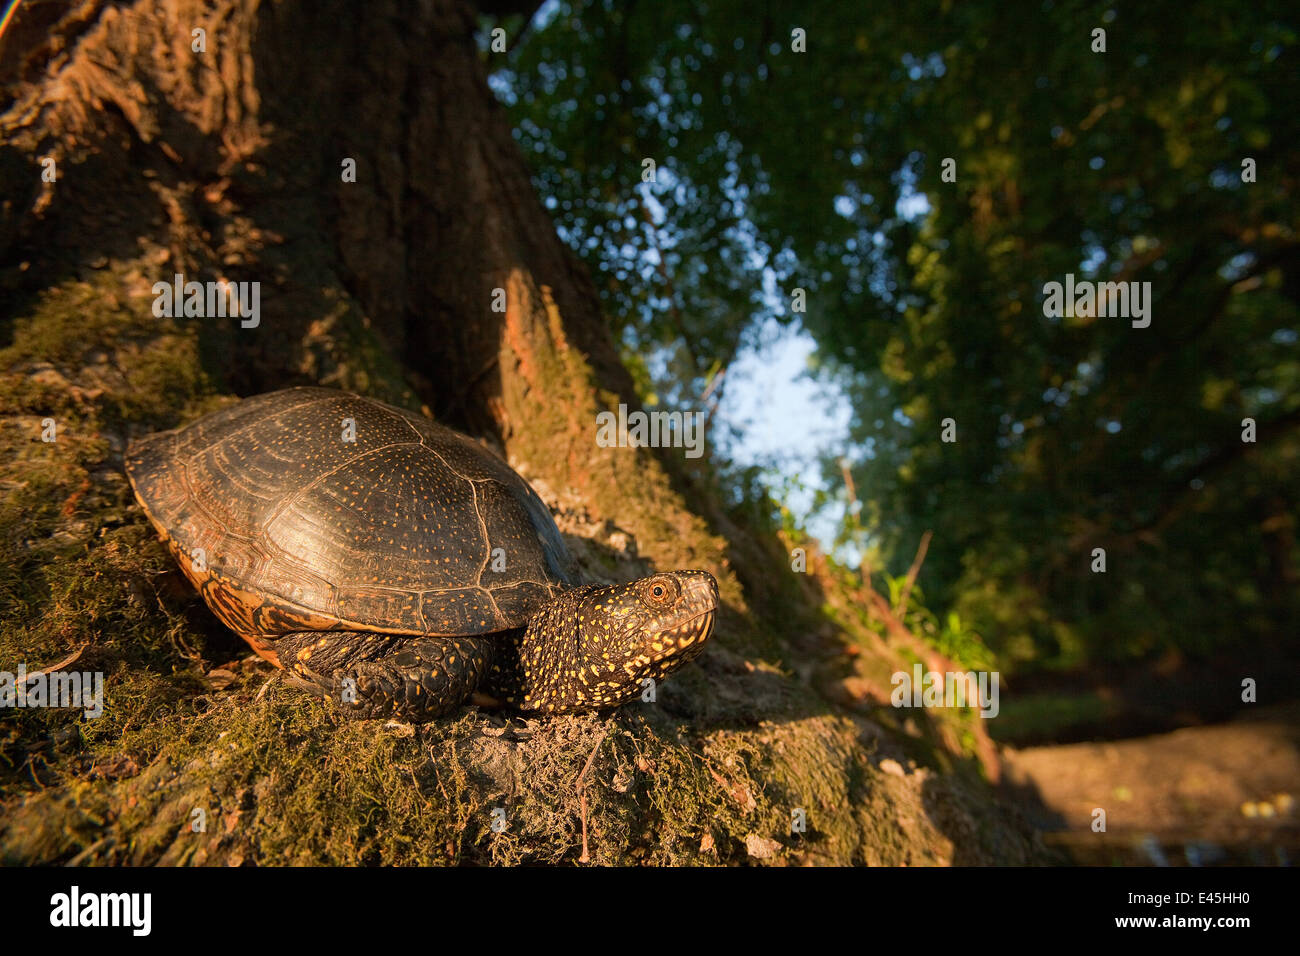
(1217, 794)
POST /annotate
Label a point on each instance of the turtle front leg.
(386, 675)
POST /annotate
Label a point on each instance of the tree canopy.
(1128, 160)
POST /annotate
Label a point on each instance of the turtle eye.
(659, 592)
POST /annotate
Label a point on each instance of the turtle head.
(598, 647)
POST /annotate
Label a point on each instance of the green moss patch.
(204, 755)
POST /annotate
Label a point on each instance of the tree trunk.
(227, 163)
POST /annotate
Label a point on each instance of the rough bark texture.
(226, 164)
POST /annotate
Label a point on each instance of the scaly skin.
(592, 648)
(595, 647)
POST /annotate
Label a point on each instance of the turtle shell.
(314, 509)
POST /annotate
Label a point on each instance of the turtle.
(398, 567)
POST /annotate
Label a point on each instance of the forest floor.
(755, 754)
(1219, 794)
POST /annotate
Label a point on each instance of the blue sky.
(787, 421)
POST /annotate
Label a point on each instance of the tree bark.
(227, 163)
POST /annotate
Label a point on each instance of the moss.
(713, 774)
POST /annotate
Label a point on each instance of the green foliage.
(823, 170)
(952, 636)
